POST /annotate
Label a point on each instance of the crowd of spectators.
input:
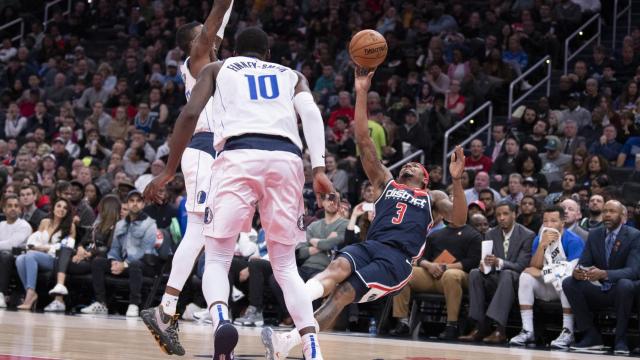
(89, 103)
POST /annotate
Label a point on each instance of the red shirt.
(482, 164)
(348, 112)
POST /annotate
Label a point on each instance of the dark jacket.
(623, 262)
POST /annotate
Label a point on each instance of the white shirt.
(254, 96)
(205, 121)
(14, 235)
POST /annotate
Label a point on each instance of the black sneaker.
(164, 328)
(621, 349)
(450, 333)
(225, 340)
(401, 329)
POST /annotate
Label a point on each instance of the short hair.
(27, 187)
(487, 191)
(252, 40)
(9, 197)
(185, 35)
(555, 208)
(516, 176)
(510, 204)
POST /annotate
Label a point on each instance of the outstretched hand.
(321, 186)
(456, 167)
(151, 192)
(363, 78)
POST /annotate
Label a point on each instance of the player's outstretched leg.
(162, 320)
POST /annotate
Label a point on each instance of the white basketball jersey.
(205, 121)
(254, 96)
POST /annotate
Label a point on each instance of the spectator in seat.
(14, 123)
(510, 256)
(579, 77)
(529, 216)
(629, 152)
(450, 254)
(54, 232)
(505, 164)
(515, 189)
(344, 108)
(575, 112)
(596, 166)
(455, 102)
(338, 177)
(15, 232)
(569, 181)
(488, 199)
(480, 223)
(537, 137)
(578, 165)
(84, 215)
(95, 243)
(552, 251)
(570, 139)
(459, 67)
(30, 211)
(477, 161)
(554, 160)
(529, 164)
(594, 220)
(627, 100)
(572, 217)
(134, 163)
(498, 139)
(480, 182)
(96, 93)
(605, 277)
(607, 146)
(438, 81)
(132, 245)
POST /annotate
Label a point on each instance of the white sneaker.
(563, 341)
(189, 311)
(55, 306)
(523, 339)
(276, 346)
(132, 311)
(96, 308)
(3, 303)
(59, 289)
(203, 316)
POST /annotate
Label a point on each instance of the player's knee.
(340, 267)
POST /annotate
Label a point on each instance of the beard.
(595, 212)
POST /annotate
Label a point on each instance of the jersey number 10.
(262, 87)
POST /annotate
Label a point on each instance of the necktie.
(505, 244)
(606, 285)
(496, 152)
(567, 146)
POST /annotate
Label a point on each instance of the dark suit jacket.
(519, 252)
(576, 143)
(623, 262)
(489, 149)
(36, 218)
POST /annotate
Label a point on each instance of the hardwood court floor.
(54, 336)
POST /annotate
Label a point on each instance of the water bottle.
(373, 328)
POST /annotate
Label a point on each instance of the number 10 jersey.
(254, 97)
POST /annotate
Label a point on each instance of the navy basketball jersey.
(403, 218)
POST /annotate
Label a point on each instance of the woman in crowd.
(627, 100)
(55, 232)
(96, 243)
(528, 164)
(93, 195)
(455, 101)
(578, 165)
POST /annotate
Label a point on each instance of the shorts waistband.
(203, 141)
(262, 142)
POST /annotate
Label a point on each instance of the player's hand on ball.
(151, 192)
(363, 79)
(456, 167)
(321, 185)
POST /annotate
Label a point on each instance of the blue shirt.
(631, 148)
(572, 245)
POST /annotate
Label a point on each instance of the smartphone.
(367, 206)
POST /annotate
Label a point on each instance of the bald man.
(606, 276)
(572, 216)
(480, 223)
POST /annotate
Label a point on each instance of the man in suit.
(572, 215)
(511, 254)
(605, 277)
(532, 284)
(498, 136)
(571, 141)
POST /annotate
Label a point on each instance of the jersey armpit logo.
(208, 215)
(301, 225)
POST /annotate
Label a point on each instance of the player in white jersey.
(259, 164)
(200, 42)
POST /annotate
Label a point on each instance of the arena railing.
(18, 21)
(545, 61)
(471, 118)
(51, 4)
(617, 15)
(580, 32)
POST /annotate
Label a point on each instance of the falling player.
(382, 264)
(200, 42)
(259, 163)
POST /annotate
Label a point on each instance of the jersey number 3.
(402, 208)
(261, 87)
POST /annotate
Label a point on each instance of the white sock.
(527, 320)
(219, 312)
(567, 321)
(314, 289)
(169, 303)
(311, 347)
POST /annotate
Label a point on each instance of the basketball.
(368, 48)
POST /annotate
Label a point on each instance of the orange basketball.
(368, 48)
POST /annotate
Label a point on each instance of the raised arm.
(313, 128)
(455, 212)
(376, 172)
(205, 45)
(184, 128)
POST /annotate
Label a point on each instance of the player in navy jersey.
(404, 213)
